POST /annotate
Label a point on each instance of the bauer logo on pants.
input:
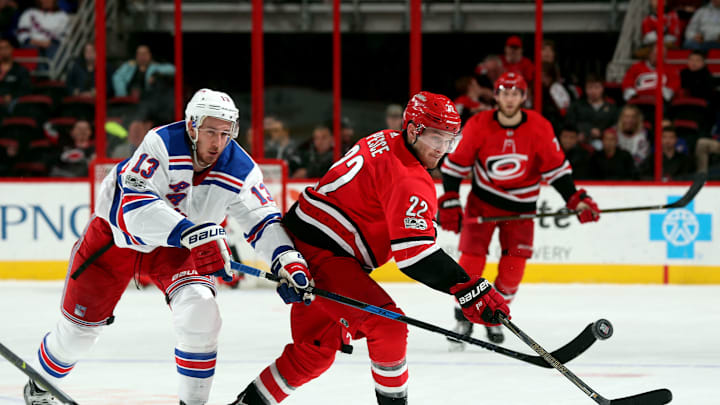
(680, 228)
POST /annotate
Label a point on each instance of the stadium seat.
(55, 89)
(27, 57)
(646, 104)
(38, 107)
(690, 109)
(614, 91)
(122, 107)
(21, 129)
(677, 56)
(80, 107)
(30, 169)
(689, 131)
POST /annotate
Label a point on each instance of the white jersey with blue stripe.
(152, 197)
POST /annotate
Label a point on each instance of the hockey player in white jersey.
(157, 215)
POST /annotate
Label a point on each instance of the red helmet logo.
(510, 80)
(431, 110)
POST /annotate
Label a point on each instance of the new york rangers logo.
(507, 166)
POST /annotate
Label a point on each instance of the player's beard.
(509, 113)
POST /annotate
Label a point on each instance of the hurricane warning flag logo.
(680, 228)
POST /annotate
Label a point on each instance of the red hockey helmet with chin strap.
(510, 80)
(429, 110)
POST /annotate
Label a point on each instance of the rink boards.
(40, 221)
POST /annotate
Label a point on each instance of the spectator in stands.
(671, 33)
(74, 159)
(696, 79)
(486, 73)
(81, 78)
(317, 159)
(347, 135)
(556, 98)
(469, 102)
(641, 79)
(703, 149)
(43, 28)
(612, 163)
(14, 78)
(8, 8)
(280, 145)
(703, 31)
(674, 164)
(514, 61)
(137, 76)
(393, 117)
(632, 136)
(9, 151)
(138, 128)
(592, 114)
(577, 154)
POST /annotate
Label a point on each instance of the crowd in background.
(605, 129)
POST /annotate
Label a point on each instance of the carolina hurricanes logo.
(506, 167)
(646, 81)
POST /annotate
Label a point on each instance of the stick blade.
(656, 397)
(698, 183)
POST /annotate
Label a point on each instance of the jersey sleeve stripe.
(552, 175)
(406, 245)
(452, 169)
(419, 256)
(221, 184)
(180, 167)
(129, 206)
(256, 233)
(176, 233)
(325, 229)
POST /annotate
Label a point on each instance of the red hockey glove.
(589, 211)
(480, 301)
(450, 213)
(209, 249)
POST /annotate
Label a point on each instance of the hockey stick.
(35, 376)
(695, 188)
(600, 329)
(656, 397)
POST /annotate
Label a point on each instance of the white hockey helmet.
(211, 103)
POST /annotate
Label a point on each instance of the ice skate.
(463, 327)
(495, 334)
(36, 396)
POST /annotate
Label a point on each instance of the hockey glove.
(450, 212)
(209, 249)
(589, 211)
(294, 276)
(480, 302)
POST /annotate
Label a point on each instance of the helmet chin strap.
(193, 141)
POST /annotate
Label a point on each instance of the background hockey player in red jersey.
(157, 216)
(509, 151)
(376, 203)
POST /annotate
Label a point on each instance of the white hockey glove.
(209, 249)
(294, 275)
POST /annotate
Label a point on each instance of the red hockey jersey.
(641, 80)
(376, 203)
(508, 163)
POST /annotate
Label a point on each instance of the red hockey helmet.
(510, 80)
(429, 110)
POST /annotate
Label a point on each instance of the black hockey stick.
(600, 329)
(695, 188)
(35, 376)
(656, 397)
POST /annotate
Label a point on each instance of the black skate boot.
(386, 400)
(495, 334)
(250, 396)
(463, 327)
(34, 395)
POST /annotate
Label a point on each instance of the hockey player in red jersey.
(157, 216)
(509, 150)
(376, 203)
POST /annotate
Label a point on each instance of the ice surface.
(665, 336)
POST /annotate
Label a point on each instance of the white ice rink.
(665, 336)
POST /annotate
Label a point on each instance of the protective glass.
(438, 139)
